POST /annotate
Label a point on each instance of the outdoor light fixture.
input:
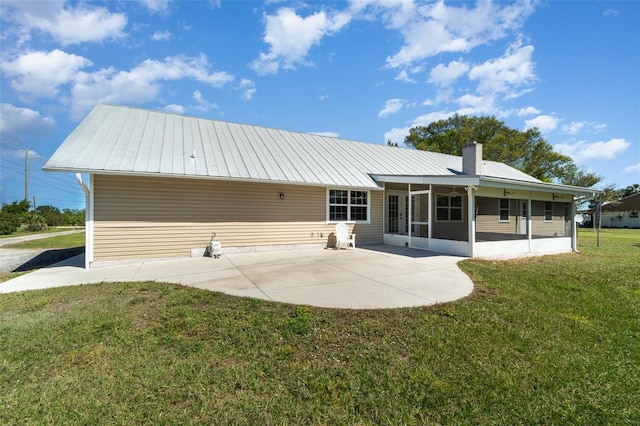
(282, 196)
(556, 196)
(508, 192)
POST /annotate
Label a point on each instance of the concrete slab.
(365, 278)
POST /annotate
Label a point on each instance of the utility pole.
(26, 174)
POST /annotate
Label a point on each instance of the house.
(624, 213)
(160, 184)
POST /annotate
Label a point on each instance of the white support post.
(472, 220)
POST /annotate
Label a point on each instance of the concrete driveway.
(371, 277)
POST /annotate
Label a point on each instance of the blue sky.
(362, 70)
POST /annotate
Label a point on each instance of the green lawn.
(56, 242)
(546, 340)
(51, 229)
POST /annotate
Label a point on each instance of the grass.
(50, 230)
(546, 340)
(57, 242)
(54, 244)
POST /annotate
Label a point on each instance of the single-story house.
(624, 213)
(160, 184)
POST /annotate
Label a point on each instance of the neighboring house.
(624, 213)
(160, 184)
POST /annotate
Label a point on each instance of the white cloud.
(502, 75)
(161, 36)
(611, 12)
(40, 74)
(203, 104)
(396, 135)
(290, 37)
(527, 111)
(444, 75)
(403, 75)
(173, 108)
(544, 123)
(436, 28)
(583, 150)
(71, 25)
(327, 134)
(391, 107)
(141, 84)
(575, 127)
(632, 169)
(248, 89)
(156, 6)
(17, 124)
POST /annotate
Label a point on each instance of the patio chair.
(343, 237)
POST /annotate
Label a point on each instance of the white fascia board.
(435, 180)
(538, 186)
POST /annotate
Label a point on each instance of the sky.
(360, 70)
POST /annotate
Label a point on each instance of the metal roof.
(119, 139)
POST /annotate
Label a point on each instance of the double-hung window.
(348, 206)
(548, 211)
(504, 210)
(448, 208)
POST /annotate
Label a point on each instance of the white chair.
(343, 237)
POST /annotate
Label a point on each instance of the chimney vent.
(472, 159)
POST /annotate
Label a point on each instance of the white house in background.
(624, 213)
(160, 184)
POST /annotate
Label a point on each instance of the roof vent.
(472, 159)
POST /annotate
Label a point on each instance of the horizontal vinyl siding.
(147, 217)
(539, 227)
(488, 217)
(449, 230)
(372, 233)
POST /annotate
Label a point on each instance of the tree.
(51, 214)
(526, 151)
(629, 190)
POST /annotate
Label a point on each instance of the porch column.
(472, 219)
(574, 229)
(529, 222)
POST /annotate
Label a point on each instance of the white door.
(397, 213)
(523, 218)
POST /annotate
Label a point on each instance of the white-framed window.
(548, 211)
(346, 205)
(504, 213)
(633, 214)
(448, 208)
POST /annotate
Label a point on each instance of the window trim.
(548, 210)
(349, 205)
(449, 208)
(501, 209)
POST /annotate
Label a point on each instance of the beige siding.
(449, 230)
(146, 217)
(542, 228)
(488, 217)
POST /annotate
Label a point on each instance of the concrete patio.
(371, 277)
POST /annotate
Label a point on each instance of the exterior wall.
(621, 219)
(446, 230)
(488, 216)
(540, 227)
(156, 217)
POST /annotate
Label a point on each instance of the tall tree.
(524, 150)
(629, 190)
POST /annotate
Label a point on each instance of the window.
(504, 210)
(449, 208)
(548, 211)
(348, 206)
(633, 214)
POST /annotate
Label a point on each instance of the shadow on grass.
(49, 257)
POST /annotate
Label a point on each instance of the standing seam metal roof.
(119, 139)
